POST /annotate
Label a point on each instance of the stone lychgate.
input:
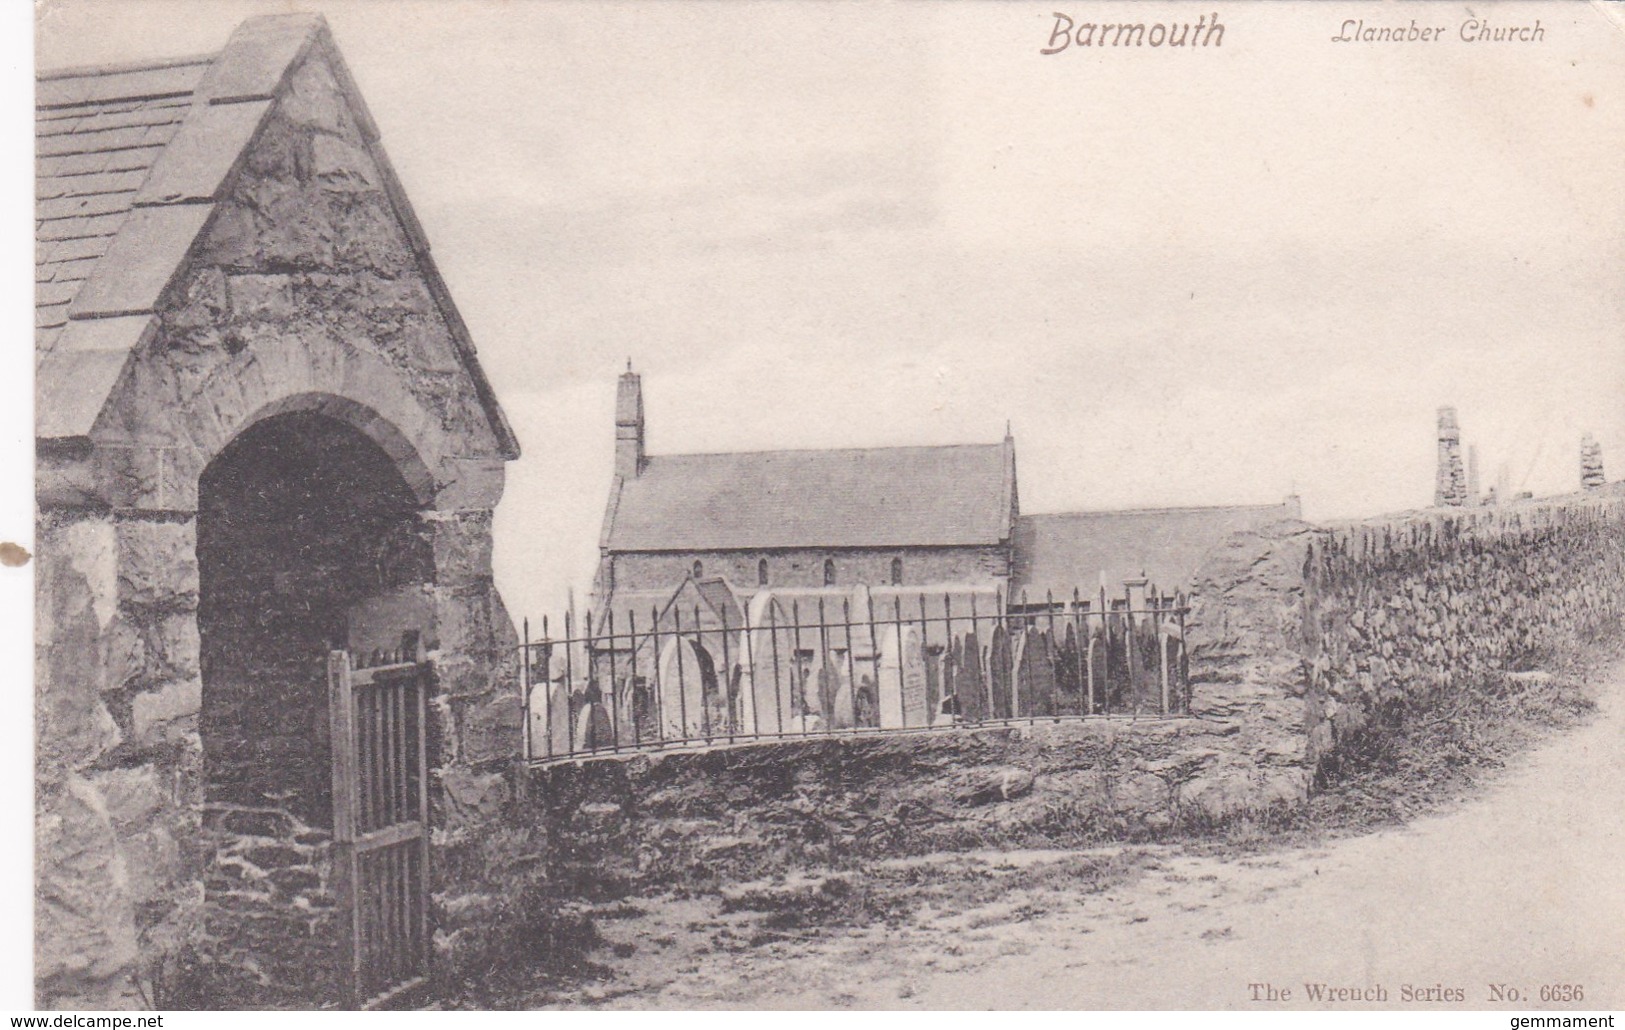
(262, 434)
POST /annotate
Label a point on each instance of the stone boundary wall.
(611, 825)
(676, 818)
(1301, 637)
(1402, 612)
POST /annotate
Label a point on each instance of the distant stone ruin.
(1450, 489)
(1591, 477)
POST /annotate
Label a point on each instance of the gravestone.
(902, 682)
(550, 720)
(593, 728)
(970, 686)
(836, 705)
(1034, 666)
(682, 690)
(999, 670)
(768, 690)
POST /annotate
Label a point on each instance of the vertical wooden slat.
(420, 888)
(402, 812)
(379, 788)
(392, 921)
(340, 711)
(386, 699)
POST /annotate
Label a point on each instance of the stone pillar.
(117, 870)
(1591, 476)
(1472, 473)
(1450, 487)
(474, 747)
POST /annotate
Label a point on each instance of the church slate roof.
(867, 497)
(130, 163)
(1056, 553)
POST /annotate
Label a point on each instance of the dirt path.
(1523, 885)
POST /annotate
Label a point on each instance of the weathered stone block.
(152, 711)
(84, 925)
(170, 647)
(473, 798)
(489, 730)
(265, 297)
(340, 165)
(158, 562)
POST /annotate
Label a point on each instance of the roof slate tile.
(151, 113)
(79, 226)
(88, 142)
(120, 89)
(125, 160)
(88, 204)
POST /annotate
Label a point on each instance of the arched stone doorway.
(308, 540)
(304, 526)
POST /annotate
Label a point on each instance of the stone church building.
(899, 521)
(262, 435)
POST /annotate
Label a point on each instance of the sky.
(1207, 276)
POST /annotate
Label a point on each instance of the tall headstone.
(902, 678)
(1591, 477)
(767, 649)
(683, 689)
(1450, 488)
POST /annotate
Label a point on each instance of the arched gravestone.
(902, 675)
(688, 691)
(593, 727)
(767, 689)
(550, 716)
(836, 705)
(1094, 655)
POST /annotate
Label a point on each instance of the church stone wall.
(924, 567)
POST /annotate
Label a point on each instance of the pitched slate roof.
(96, 137)
(1056, 553)
(130, 162)
(874, 497)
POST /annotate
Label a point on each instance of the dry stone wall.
(1400, 613)
(698, 817)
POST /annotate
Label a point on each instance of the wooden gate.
(380, 819)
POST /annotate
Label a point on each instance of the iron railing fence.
(704, 674)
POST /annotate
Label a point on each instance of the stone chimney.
(1472, 473)
(1450, 489)
(1591, 477)
(629, 454)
